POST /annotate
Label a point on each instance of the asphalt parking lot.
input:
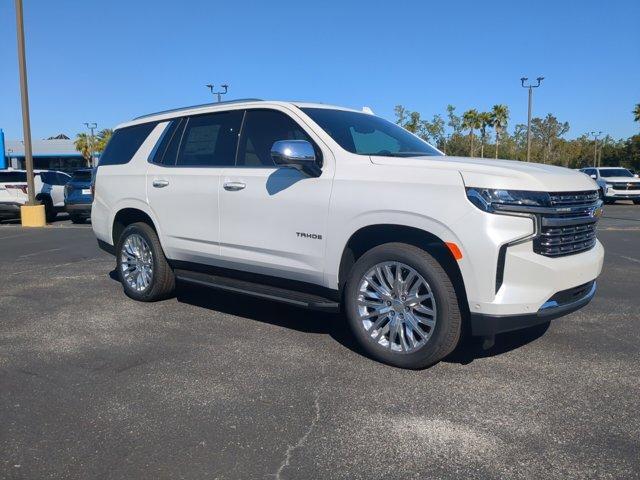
(211, 385)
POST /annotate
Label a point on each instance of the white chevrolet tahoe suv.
(615, 183)
(330, 208)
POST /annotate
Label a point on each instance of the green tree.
(83, 145)
(636, 113)
(433, 131)
(546, 131)
(471, 122)
(102, 138)
(407, 119)
(499, 119)
(485, 122)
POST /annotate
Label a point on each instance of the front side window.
(261, 129)
(615, 172)
(210, 140)
(366, 134)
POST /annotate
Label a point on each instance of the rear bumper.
(557, 306)
(78, 208)
(9, 209)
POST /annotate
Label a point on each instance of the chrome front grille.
(562, 199)
(626, 186)
(569, 226)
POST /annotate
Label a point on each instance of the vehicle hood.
(621, 180)
(503, 174)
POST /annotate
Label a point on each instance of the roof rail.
(226, 102)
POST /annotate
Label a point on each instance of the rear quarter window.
(124, 143)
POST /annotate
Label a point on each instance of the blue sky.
(110, 61)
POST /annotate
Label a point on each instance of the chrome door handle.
(234, 186)
(160, 183)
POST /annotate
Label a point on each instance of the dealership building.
(55, 153)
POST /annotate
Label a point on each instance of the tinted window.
(61, 178)
(82, 175)
(210, 140)
(366, 134)
(615, 172)
(158, 153)
(124, 143)
(8, 177)
(261, 129)
(48, 177)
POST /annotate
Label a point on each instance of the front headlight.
(490, 199)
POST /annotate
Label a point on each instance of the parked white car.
(49, 188)
(327, 207)
(615, 183)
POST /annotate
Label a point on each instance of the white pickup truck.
(331, 208)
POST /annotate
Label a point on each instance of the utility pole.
(219, 94)
(24, 94)
(530, 87)
(91, 126)
(596, 163)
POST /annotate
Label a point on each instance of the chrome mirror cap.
(298, 154)
(287, 152)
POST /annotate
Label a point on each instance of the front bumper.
(558, 305)
(614, 194)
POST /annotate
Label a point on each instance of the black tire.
(608, 201)
(636, 202)
(446, 333)
(50, 213)
(77, 219)
(162, 284)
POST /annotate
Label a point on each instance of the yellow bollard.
(33, 216)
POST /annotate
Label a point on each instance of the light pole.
(24, 94)
(91, 126)
(595, 147)
(530, 87)
(219, 94)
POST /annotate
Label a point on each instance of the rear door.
(183, 183)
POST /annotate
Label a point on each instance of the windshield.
(367, 134)
(615, 172)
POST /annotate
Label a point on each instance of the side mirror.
(298, 154)
(593, 176)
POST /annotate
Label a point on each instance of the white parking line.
(41, 251)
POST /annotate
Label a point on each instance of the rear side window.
(261, 129)
(8, 177)
(124, 143)
(210, 140)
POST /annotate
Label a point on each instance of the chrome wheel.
(396, 307)
(136, 262)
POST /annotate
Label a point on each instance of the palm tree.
(636, 113)
(83, 145)
(486, 121)
(499, 119)
(471, 121)
(102, 138)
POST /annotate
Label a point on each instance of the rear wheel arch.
(126, 217)
(372, 236)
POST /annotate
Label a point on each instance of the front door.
(273, 220)
(183, 183)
